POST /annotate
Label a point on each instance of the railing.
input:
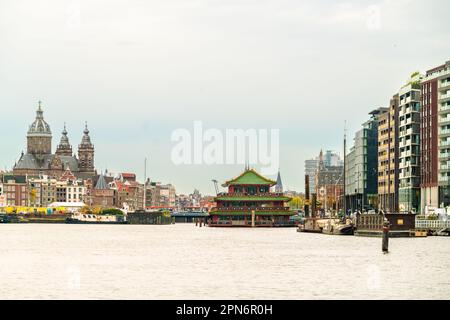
(248, 223)
(256, 209)
(445, 108)
(443, 120)
(223, 222)
(432, 224)
(246, 194)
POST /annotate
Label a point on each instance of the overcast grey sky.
(137, 70)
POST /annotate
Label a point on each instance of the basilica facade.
(39, 159)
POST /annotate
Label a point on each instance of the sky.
(138, 70)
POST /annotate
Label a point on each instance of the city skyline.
(135, 81)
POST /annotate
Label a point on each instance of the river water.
(46, 261)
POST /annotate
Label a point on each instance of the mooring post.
(385, 242)
(253, 218)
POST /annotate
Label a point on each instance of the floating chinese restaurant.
(249, 202)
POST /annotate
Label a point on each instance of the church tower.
(86, 153)
(279, 185)
(39, 137)
(64, 148)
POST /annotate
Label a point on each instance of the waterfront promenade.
(55, 261)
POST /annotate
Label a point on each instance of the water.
(182, 261)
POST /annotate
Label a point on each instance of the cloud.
(300, 66)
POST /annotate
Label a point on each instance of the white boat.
(86, 218)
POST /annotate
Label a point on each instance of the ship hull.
(75, 221)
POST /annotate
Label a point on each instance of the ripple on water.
(186, 262)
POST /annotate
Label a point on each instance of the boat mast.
(345, 166)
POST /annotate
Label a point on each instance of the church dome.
(86, 140)
(64, 138)
(39, 127)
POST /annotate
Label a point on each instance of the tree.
(297, 202)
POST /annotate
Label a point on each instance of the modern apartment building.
(435, 138)
(388, 158)
(362, 166)
(409, 144)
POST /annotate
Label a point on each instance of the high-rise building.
(388, 157)
(362, 166)
(409, 145)
(332, 159)
(310, 171)
(435, 138)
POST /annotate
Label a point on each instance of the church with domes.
(39, 159)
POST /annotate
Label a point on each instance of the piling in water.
(385, 241)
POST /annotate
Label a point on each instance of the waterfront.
(186, 262)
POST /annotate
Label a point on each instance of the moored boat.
(334, 227)
(89, 218)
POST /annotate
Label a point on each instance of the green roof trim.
(250, 177)
(257, 213)
(250, 198)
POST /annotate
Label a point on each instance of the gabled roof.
(249, 177)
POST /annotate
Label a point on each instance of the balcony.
(444, 121)
(405, 154)
(445, 155)
(444, 85)
(445, 109)
(444, 143)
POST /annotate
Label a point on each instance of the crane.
(216, 186)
